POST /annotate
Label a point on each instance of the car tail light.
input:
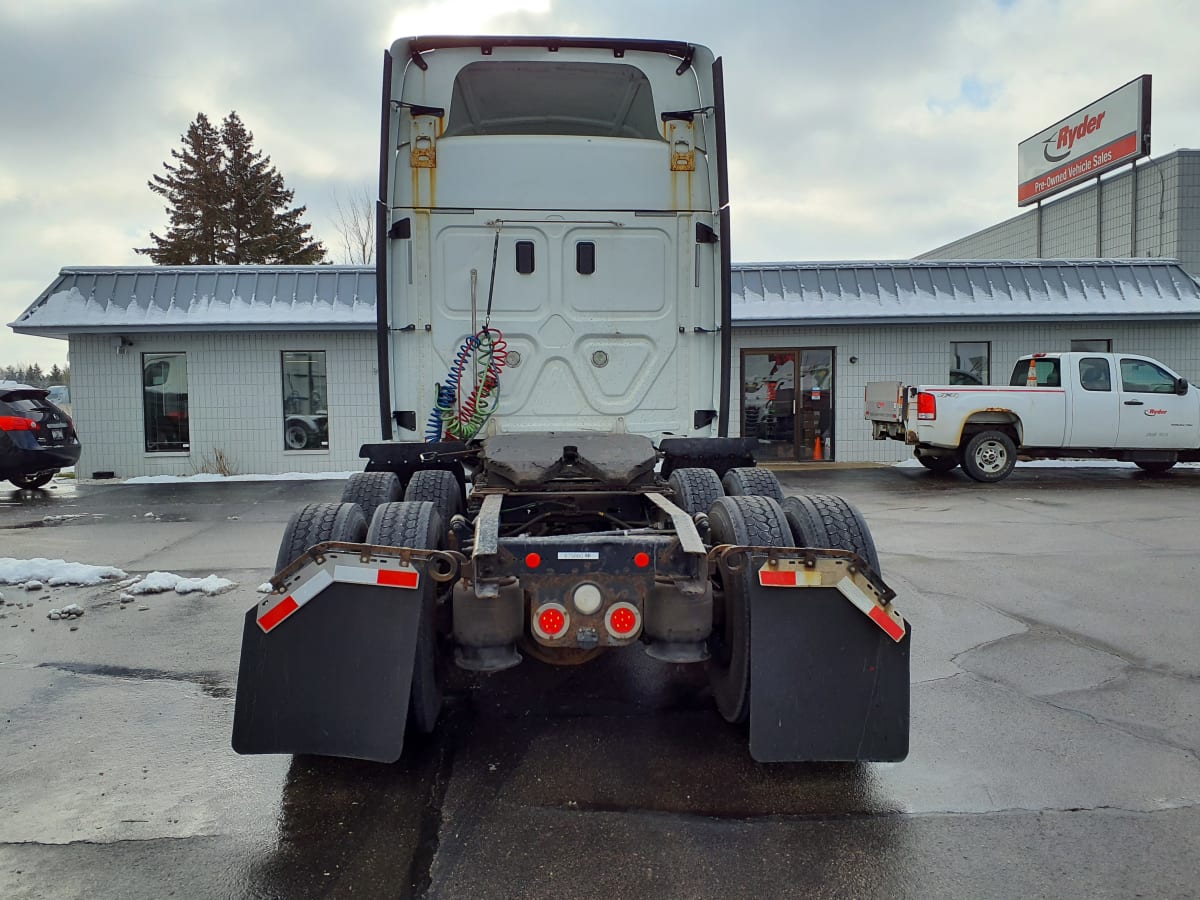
(623, 620)
(926, 406)
(551, 621)
(17, 423)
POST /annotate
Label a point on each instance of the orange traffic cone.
(817, 449)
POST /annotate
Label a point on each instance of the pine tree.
(56, 374)
(228, 205)
(262, 228)
(195, 193)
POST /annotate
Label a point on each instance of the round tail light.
(623, 621)
(550, 621)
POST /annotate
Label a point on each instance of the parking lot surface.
(1055, 723)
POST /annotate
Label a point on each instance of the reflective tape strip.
(293, 601)
(405, 578)
(893, 627)
(789, 577)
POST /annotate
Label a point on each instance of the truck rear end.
(555, 479)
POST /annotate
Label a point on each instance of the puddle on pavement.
(209, 682)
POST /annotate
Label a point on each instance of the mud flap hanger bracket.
(815, 568)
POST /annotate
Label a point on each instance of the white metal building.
(273, 368)
(1152, 210)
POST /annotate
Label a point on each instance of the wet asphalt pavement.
(1055, 723)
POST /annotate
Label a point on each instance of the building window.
(971, 362)
(1093, 345)
(305, 394)
(165, 402)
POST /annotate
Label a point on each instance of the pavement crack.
(429, 828)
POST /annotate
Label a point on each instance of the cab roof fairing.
(412, 51)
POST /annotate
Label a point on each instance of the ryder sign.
(1110, 132)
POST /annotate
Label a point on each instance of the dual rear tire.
(818, 521)
(415, 524)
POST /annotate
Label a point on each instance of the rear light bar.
(926, 406)
(17, 423)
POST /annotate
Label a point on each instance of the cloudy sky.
(857, 130)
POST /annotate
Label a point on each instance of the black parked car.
(36, 437)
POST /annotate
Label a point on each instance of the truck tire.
(989, 456)
(824, 521)
(748, 482)
(440, 488)
(419, 526)
(297, 435)
(746, 520)
(940, 464)
(317, 523)
(369, 489)
(695, 489)
(1156, 467)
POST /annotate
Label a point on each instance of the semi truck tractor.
(556, 478)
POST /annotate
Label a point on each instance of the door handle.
(1134, 403)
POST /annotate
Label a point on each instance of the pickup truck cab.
(1079, 404)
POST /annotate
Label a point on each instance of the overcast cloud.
(856, 130)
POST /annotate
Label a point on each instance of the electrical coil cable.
(460, 418)
(489, 353)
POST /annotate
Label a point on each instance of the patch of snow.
(160, 582)
(66, 517)
(33, 585)
(54, 572)
(264, 588)
(205, 477)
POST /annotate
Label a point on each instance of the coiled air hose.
(455, 417)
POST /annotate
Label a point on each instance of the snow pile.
(54, 572)
(205, 477)
(160, 582)
(70, 611)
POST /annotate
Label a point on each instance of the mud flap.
(332, 680)
(826, 683)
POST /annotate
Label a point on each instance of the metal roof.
(962, 290)
(204, 298)
(291, 298)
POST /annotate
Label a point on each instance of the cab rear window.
(564, 98)
(1046, 372)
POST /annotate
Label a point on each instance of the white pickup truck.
(1079, 404)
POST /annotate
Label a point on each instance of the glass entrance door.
(787, 402)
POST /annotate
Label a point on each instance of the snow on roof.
(962, 290)
(210, 298)
(293, 298)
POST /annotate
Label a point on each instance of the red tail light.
(623, 620)
(17, 423)
(551, 621)
(926, 406)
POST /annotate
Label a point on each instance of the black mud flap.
(826, 683)
(333, 679)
